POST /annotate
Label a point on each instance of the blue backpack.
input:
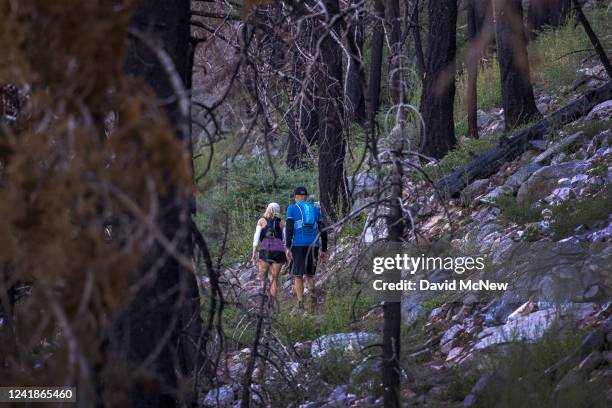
(309, 215)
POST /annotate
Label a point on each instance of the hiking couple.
(301, 240)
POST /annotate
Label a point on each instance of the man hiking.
(304, 235)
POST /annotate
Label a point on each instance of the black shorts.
(304, 260)
(273, 256)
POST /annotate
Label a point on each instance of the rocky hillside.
(544, 221)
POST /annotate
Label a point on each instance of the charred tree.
(355, 96)
(542, 13)
(439, 82)
(392, 21)
(303, 116)
(480, 34)
(154, 326)
(416, 33)
(376, 55)
(517, 92)
(332, 146)
(489, 162)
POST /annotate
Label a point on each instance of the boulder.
(221, 397)
(346, 342)
(515, 180)
(603, 111)
(472, 191)
(545, 180)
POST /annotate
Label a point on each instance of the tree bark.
(489, 162)
(172, 294)
(392, 21)
(355, 85)
(303, 117)
(439, 82)
(542, 13)
(332, 148)
(418, 43)
(601, 52)
(480, 35)
(376, 62)
(517, 92)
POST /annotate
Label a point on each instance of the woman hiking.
(269, 238)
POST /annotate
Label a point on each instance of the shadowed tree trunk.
(376, 62)
(332, 148)
(543, 13)
(439, 81)
(392, 21)
(517, 93)
(155, 322)
(355, 76)
(480, 35)
(418, 43)
(303, 116)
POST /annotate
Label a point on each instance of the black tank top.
(272, 229)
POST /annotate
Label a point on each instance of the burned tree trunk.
(480, 35)
(154, 325)
(418, 43)
(490, 161)
(542, 13)
(303, 117)
(332, 148)
(392, 21)
(355, 85)
(517, 93)
(376, 62)
(439, 81)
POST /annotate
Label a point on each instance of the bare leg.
(274, 279)
(298, 287)
(263, 265)
(309, 281)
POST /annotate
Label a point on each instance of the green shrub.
(524, 366)
(515, 212)
(584, 211)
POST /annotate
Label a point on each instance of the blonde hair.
(272, 210)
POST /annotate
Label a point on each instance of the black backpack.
(272, 229)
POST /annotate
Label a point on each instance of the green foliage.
(557, 54)
(353, 228)
(462, 155)
(524, 366)
(237, 197)
(583, 211)
(336, 367)
(336, 317)
(461, 384)
(515, 212)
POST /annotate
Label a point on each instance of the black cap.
(300, 191)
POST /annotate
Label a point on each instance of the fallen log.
(489, 162)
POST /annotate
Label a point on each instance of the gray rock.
(340, 397)
(362, 183)
(559, 195)
(219, 397)
(592, 342)
(538, 144)
(591, 362)
(484, 119)
(544, 181)
(312, 404)
(469, 400)
(530, 327)
(472, 191)
(603, 111)
(515, 180)
(347, 342)
(494, 194)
